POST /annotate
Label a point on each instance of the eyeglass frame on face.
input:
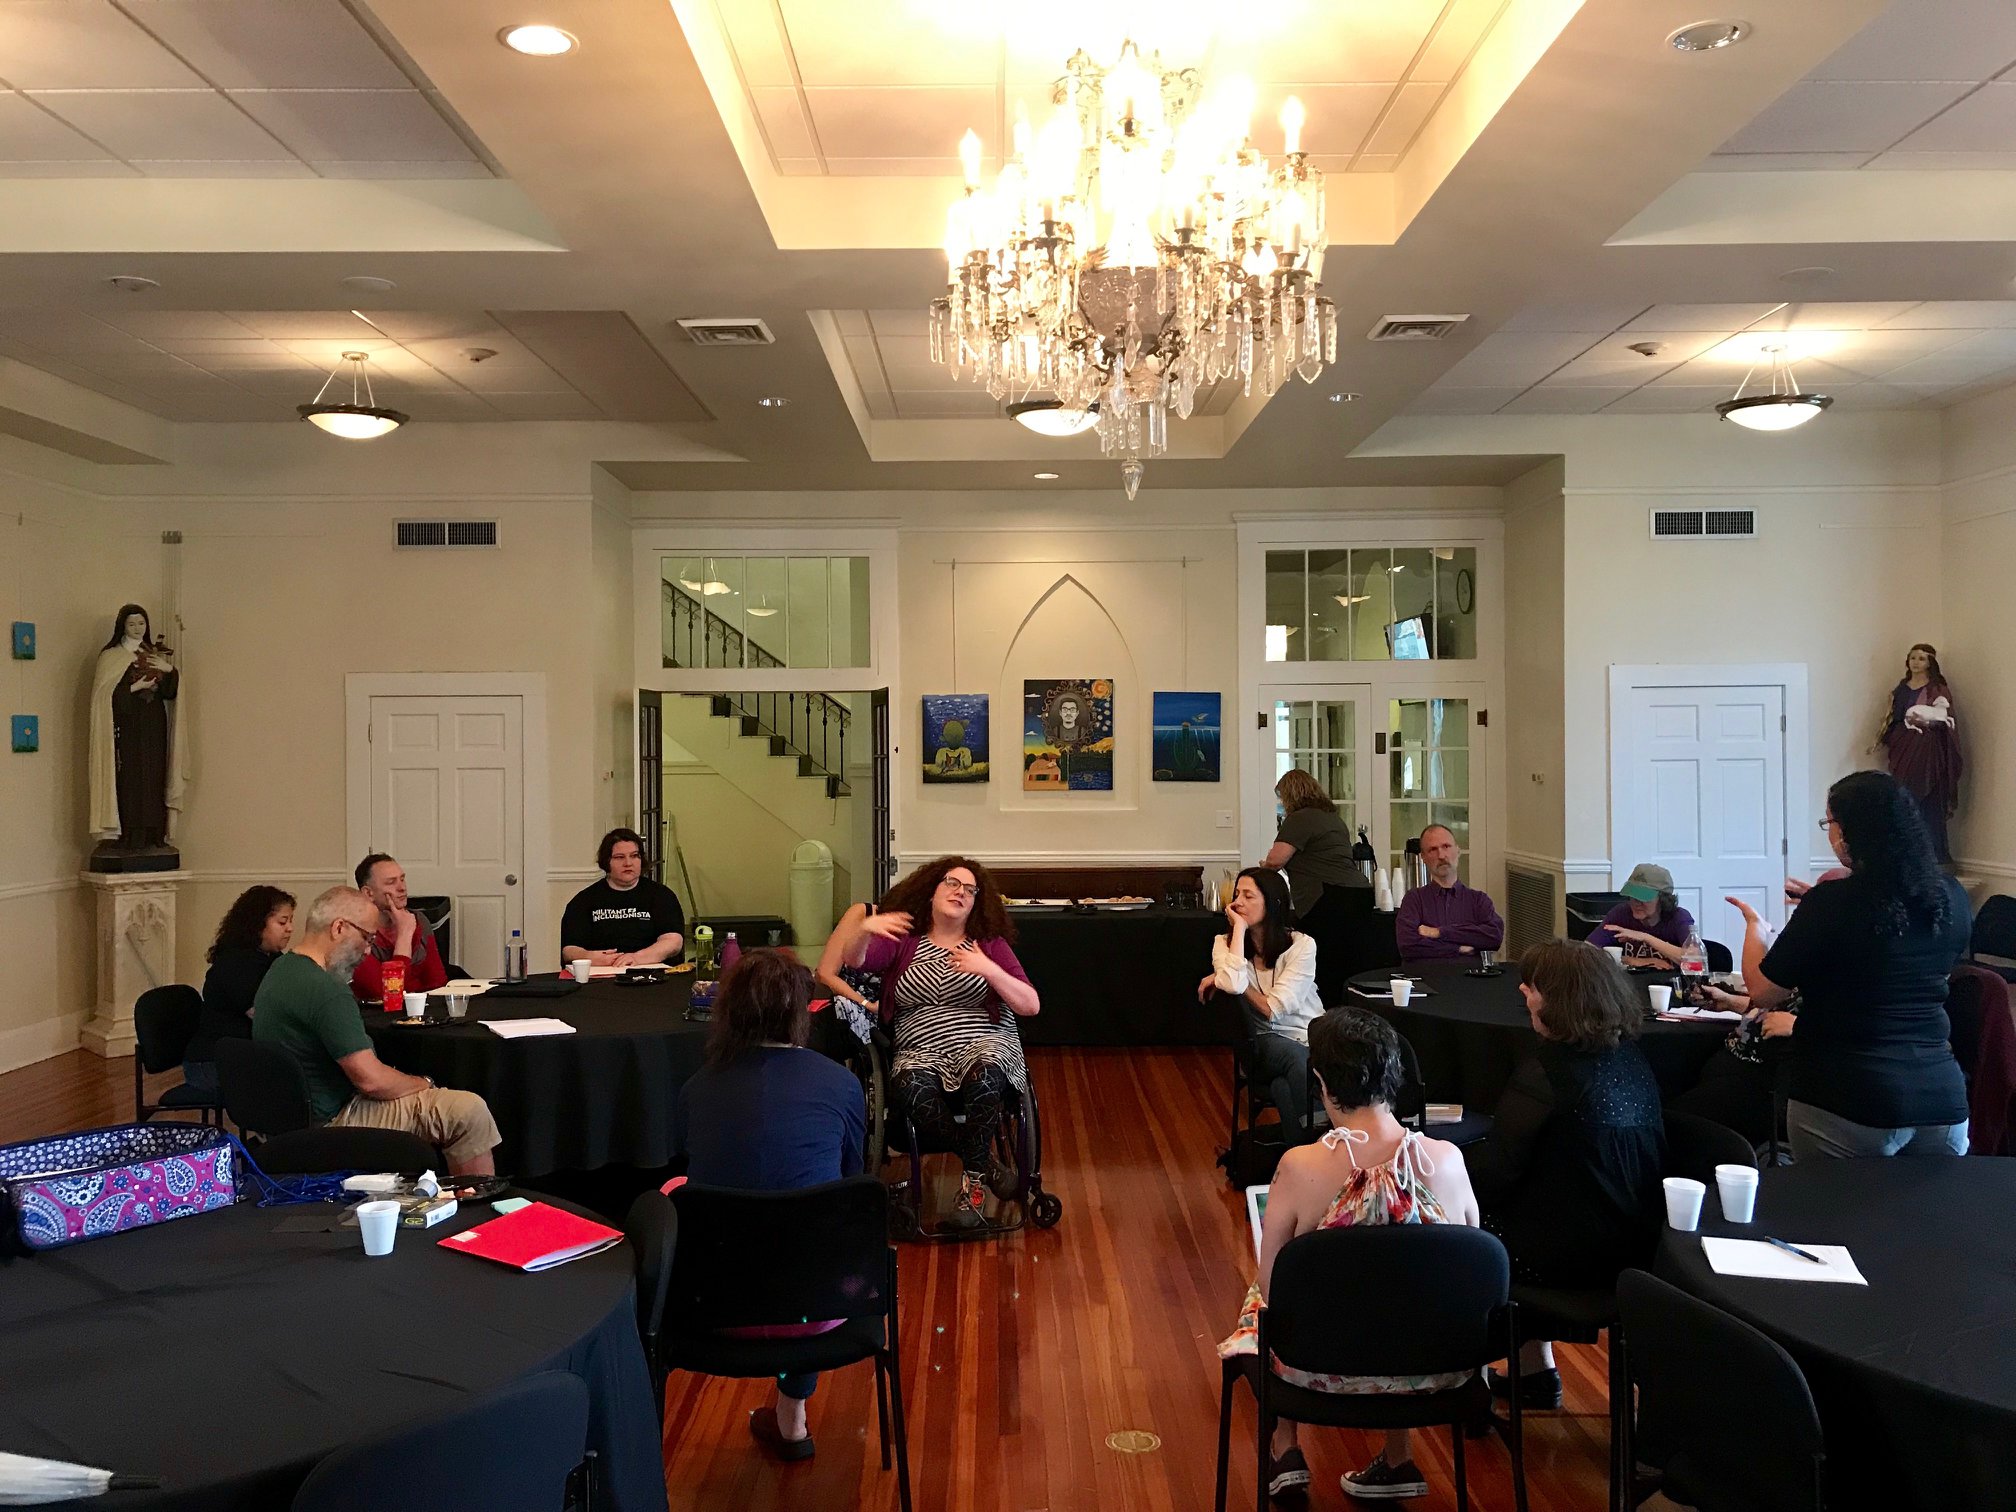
(962, 889)
(1830, 822)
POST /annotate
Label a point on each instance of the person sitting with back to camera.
(402, 935)
(766, 1114)
(1270, 966)
(254, 932)
(942, 944)
(1445, 919)
(303, 1009)
(1369, 1169)
(627, 918)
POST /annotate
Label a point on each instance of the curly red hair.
(989, 919)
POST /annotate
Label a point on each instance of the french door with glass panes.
(1326, 730)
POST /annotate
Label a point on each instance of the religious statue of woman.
(1920, 741)
(136, 746)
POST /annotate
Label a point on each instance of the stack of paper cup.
(1683, 1202)
(1737, 1186)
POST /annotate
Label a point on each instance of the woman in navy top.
(766, 1114)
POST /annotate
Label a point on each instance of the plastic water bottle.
(731, 952)
(703, 951)
(514, 957)
(1693, 966)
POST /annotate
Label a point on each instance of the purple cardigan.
(891, 958)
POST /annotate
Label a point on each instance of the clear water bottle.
(703, 951)
(731, 952)
(514, 957)
(1693, 967)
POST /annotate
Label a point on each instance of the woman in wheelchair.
(940, 943)
(766, 1114)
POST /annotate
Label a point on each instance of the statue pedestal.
(136, 950)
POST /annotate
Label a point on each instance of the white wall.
(1535, 736)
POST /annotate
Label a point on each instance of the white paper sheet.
(1753, 1257)
(531, 1028)
(1704, 1015)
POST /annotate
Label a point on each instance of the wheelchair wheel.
(1045, 1208)
(875, 1089)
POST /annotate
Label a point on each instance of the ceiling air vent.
(1414, 327)
(446, 533)
(727, 330)
(1701, 524)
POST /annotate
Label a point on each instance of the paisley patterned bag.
(80, 1186)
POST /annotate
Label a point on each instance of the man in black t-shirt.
(625, 919)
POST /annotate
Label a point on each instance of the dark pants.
(983, 1094)
(1281, 1067)
(798, 1387)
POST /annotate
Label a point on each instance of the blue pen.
(1793, 1249)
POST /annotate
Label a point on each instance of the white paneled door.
(1703, 794)
(448, 799)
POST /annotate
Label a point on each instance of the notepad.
(535, 1237)
(531, 1028)
(1704, 1015)
(1752, 1257)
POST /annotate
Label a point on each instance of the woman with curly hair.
(941, 942)
(255, 932)
(1872, 1072)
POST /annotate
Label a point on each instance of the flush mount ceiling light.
(773, 401)
(1046, 477)
(539, 41)
(1343, 398)
(1048, 417)
(1708, 36)
(1782, 407)
(366, 283)
(362, 419)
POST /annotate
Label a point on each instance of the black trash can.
(1586, 911)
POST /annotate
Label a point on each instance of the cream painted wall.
(1535, 746)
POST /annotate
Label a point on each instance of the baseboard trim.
(40, 1040)
(1997, 870)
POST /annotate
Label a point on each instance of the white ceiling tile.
(1678, 346)
(1875, 353)
(785, 123)
(1514, 358)
(850, 46)
(195, 125)
(175, 168)
(852, 322)
(1598, 318)
(1720, 318)
(1375, 162)
(899, 322)
(1882, 396)
(467, 328)
(900, 123)
(1411, 104)
(270, 44)
(1983, 122)
(446, 406)
(757, 39)
(1957, 314)
(468, 168)
(82, 44)
(1564, 401)
(1464, 23)
(2000, 343)
(1943, 162)
(1462, 401)
(1340, 115)
(30, 134)
(864, 356)
(1374, 42)
(1842, 315)
(955, 404)
(1673, 399)
(881, 406)
(1929, 39)
(565, 406)
(341, 125)
(1843, 117)
(153, 325)
(302, 325)
(886, 167)
(801, 167)
(95, 168)
(1607, 370)
(1782, 162)
(66, 331)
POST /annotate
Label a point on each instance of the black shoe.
(1539, 1390)
(1004, 1181)
(1288, 1475)
(1380, 1481)
(763, 1429)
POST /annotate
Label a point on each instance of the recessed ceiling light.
(131, 283)
(538, 41)
(365, 283)
(1343, 398)
(1708, 36)
(1815, 274)
(773, 401)
(1047, 417)
(1046, 477)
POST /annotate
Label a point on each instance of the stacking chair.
(1995, 935)
(1722, 1410)
(265, 1094)
(1254, 1162)
(1412, 1108)
(761, 1259)
(1719, 957)
(164, 1021)
(1404, 1299)
(1984, 1042)
(652, 1227)
(516, 1450)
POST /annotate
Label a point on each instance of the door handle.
(510, 879)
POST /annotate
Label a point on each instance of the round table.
(1470, 1033)
(1914, 1374)
(227, 1353)
(603, 1095)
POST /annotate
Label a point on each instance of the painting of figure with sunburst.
(1067, 735)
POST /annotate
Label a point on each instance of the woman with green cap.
(1650, 923)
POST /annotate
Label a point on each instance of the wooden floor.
(1025, 1355)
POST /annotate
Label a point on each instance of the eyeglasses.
(1828, 823)
(961, 889)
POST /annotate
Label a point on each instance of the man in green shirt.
(305, 1008)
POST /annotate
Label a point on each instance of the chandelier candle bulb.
(1292, 117)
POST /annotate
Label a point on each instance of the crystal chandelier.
(1134, 250)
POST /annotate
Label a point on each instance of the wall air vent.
(727, 330)
(1414, 327)
(1703, 524)
(446, 533)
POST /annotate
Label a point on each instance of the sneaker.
(1539, 1390)
(1380, 1481)
(967, 1208)
(1288, 1475)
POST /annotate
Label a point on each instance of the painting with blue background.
(955, 737)
(1186, 737)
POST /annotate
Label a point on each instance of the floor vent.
(1704, 524)
(446, 533)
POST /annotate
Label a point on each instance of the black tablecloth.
(227, 1358)
(603, 1095)
(1123, 978)
(1470, 1033)
(1914, 1374)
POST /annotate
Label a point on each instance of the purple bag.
(72, 1187)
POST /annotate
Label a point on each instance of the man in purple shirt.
(1445, 921)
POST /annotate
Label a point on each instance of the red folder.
(534, 1238)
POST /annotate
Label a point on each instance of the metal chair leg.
(1226, 1381)
(882, 1406)
(1462, 1479)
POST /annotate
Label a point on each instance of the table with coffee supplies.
(1915, 1373)
(603, 1095)
(1471, 1032)
(226, 1354)
(1121, 976)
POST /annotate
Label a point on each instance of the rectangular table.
(1122, 978)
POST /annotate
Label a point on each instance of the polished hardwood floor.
(1026, 1356)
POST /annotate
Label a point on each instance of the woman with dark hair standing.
(255, 932)
(1920, 742)
(1569, 1178)
(941, 944)
(1313, 846)
(1271, 967)
(1872, 1072)
(766, 1114)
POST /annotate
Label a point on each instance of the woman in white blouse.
(1263, 960)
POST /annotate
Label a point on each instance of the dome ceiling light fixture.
(1782, 407)
(539, 41)
(1048, 417)
(363, 418)
(1707, 36)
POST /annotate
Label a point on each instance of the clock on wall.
(1466, 591)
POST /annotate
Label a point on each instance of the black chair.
(1723, 1411)
(1696, 1145)
(263, 1088)
(306, 1152)
(1995, 935)
(265, 1094)
(1719, 957)
(164, 1021)
(1412, 1107)
(652, 1227)
(1416, 1299)
(516, 1450)
(750, 1259)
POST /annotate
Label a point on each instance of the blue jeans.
(798, 1387)
(1281, 1067)
(1820, 1135)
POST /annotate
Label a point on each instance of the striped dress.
(942, 1024)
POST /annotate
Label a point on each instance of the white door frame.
(1788, 677)
(359, 688)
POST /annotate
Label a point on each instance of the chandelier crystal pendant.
(363, 418)
(1134, 251)
(1781, 407)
